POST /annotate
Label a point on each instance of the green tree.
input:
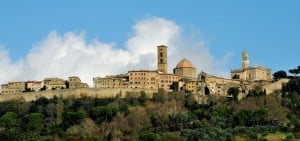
(170, 137)
(160, 96)
(279, 74)
(295, 71)
(292, 86)
(148, 137)
(33, 125)
(143, 97)
(10, 126)
(251, 117)
(7, 107)
(73, 118)
(59, 111)
(33, 122)
(9, 120)
(103, 113)
(233, 91)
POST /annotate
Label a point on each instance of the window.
(161, 54)
(161, 60)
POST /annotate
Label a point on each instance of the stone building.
(167, 80)
(147, 79)
(250, 73)
(214, 85)
(191, 86)
(184, 78)
(75, 83)
(117, 81)
(185, 69)
(151, 79)
(34, 85)
(54, 84)
(13, 87)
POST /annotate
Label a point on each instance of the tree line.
(282, 74)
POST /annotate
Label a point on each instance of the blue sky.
(268, 29)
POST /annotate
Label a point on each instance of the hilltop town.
(154, 105)
(183, 78)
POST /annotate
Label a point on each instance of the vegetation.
(234, 92)
(295, 71)
(279, 74)
(166, 116)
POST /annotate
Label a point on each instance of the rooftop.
(184, 63)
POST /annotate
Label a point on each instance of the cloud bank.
(71, 55)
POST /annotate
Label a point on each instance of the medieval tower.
(245, 61)
(162, 59)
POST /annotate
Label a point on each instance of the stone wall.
(72, 93)
(270, 88)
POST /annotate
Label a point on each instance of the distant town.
(183, 78)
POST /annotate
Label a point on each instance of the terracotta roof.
(184, 63)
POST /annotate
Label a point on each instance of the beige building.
(118, 81)
(184, 78)
(250, 73)
(13, 87)
(167, 80)
(75, 83)
(151, 79)
(54, 83)
(191, 86)
(34, 85)
(147, 79)
(214, 85)
(185, 69)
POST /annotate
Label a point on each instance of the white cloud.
(8, 70)
(70, 54)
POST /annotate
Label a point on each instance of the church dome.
(184, 63)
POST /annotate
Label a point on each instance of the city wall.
(73, 93)
(275, 86)
(102, 92)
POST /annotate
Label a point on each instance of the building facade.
(75, 83)
(147, 79)
(54, 84)
(166, 81)
(214, 85)
(34, 85)
(118, 81)
(13, 87)
(248, 73)
(153, 79)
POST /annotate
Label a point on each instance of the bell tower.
(162, 59)
(245, 61)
